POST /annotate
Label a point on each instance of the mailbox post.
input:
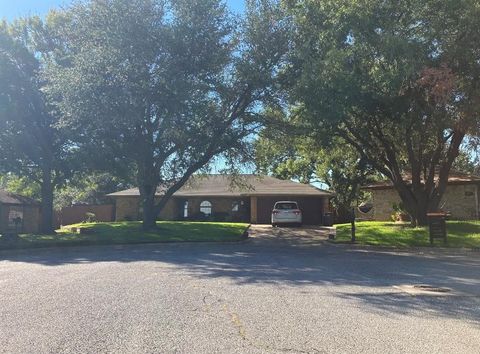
(352, 216)
(437, 226)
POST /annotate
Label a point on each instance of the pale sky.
(11, 9)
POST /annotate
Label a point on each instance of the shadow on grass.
(460, 234)
(131, 233)
(302, 263)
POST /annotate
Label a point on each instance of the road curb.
(426, 249)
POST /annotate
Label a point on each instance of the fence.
(77, 213)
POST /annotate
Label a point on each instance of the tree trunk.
(418, 203)
(149, 218)
(148, 184)
(46, 226)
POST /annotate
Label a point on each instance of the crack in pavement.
(241, 330)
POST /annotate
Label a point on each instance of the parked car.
(286, 212)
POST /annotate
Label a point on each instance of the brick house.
(18, 213)
(461, 198)
(216, 197)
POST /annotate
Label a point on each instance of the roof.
(238, 186)
(16, 199)
(454, 178)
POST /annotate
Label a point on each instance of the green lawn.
(131, 232)
(459, 234)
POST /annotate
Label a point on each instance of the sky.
(11, 9)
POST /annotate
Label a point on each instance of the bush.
(399, 213)
(90, 217)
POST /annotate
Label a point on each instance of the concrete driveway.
(304, 234)
(268, 295)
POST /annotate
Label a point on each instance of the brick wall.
(31, 218)
(128, 208)
(221, 205)
(460, 200)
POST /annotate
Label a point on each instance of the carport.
(312, 207)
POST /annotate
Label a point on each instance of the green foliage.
(296, 156)
(167, 85)
(132, 233)
(89, 188)
(90, 218)
(20, 185)
(399, 212)
(393, 79)
(32, 145)
(467, 162)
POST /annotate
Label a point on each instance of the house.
(18, 214)
(216, 197)
(461, 198)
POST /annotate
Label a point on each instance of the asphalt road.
(268, 295)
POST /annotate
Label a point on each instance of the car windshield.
(286, 206)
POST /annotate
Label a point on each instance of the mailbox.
(437, 226)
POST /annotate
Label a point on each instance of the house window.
(15, 218)
(235, 206)
(185, 209)
(206, 207)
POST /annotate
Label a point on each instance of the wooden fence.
(78, 213)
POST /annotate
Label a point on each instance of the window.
(185, 209)
(206, 207)
(286, 205)
(235, 206)
(15, 218)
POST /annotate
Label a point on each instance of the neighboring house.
(18, 213)
(461, 198)
(217, 198)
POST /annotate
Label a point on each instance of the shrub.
(90, 217)
(399, 213)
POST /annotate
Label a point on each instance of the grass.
(459, 234)
(131, 232)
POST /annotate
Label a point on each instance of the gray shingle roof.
(453, 178)
(16, 199)
(242, 185)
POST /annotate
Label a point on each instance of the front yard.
(380, 233)
(131, 232)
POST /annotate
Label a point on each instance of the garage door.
(311, 207)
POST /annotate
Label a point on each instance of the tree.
(399, 81)
(20, 185)
(32, 145)
(167, 85)
(89, 188)
(336, 164)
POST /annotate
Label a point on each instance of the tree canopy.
(32, 145)
(167, 85)
(399, 81)
(337, 165)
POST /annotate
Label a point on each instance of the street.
(267, 295)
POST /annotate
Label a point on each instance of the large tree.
(399, 81)
(31, 144)
(333, 163)
(168, 85)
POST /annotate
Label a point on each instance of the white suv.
(286, 212)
